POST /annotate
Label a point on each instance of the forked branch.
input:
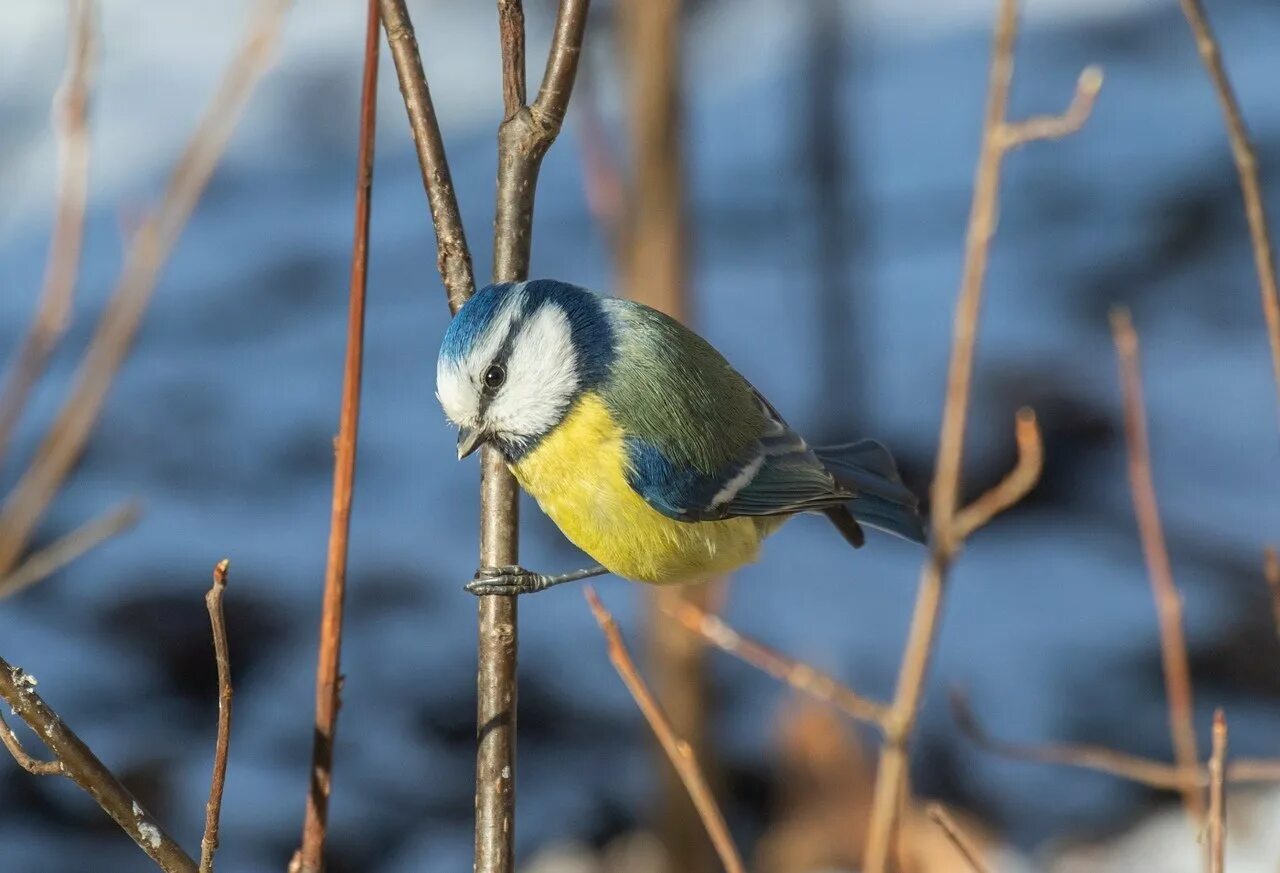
(1016, 485)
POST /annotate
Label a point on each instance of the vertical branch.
(523, 138)
(150, 248)
(70, 111)
(218, 623)
(1217, 795)
(1173, 642)
(1246, 160)
(999, 136)
(310, 857)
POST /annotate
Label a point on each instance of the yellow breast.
(578, 476)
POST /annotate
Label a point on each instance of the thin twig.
(17, 689)
(1133, 768)
(62, 551)
(949, 827)
(453, 257)
(34, 766)
(996, 141)
(1271, 569)
(218, 624)
(151, 246)
(70, 111)
(1246, 160)
(1217, 795)
(681, 755)
(1014, 486)
(799, 675)
(310, 857)
(1173, 642)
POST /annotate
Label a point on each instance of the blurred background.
(829, 147)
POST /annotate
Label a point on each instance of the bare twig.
(1015, 486)
(1217, 795)
(997, 139)
(310, 857)
(62, 551)
(154, 240)
(1134, 768)
(218, 624)
(949, 827)
(1271, 569)
(1173, 643)
(34, 766)
(70, 111)
(453, 257)
(799, 675)
(679, 752)
(1246, 160)
(78, 763)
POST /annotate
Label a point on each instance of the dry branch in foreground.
(998, 138)
(943, 819)
(678, 751)
(1173, 642)
(310, 855)
(1217, 795)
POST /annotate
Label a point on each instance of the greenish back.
(671, 388)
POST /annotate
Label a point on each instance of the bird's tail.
(882, 501)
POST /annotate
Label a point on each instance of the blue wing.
(778, 474)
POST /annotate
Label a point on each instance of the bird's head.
(516, 357)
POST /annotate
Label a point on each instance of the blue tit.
(645, 447)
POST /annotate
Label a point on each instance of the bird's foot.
(512, 580)
(508, 581)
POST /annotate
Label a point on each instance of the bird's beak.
(469, 439)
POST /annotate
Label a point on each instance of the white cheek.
(457, 396)
(541, 377)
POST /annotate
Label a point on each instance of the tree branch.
(1271, 569)
(681, 755)
(453, 257)
(998, 137)
(78, 763)
(70, 111)
(310, 856)
(149, 250)
(1246, 160)
(949, 827)
(1015, 486)
(1173, 642)
(799, 675)
(67, 548)
(218, 624)
(1217, 795)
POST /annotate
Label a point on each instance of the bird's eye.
(495, 376)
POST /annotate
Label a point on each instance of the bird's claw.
(508, 581)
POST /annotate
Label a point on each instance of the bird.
(648, 450)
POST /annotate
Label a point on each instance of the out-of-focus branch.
(453, 257)
(1015, 485)
(1133, 768)
(310, 856)
(78, 763)
(1271, 569)
(62, 551)
(1246, 160)
(218, 625)
(148, 252)
(681, 755)
(799, 675)
(999, 135)
(1217, 795)
(70, 111)
(949, 827)
(1173, 642)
